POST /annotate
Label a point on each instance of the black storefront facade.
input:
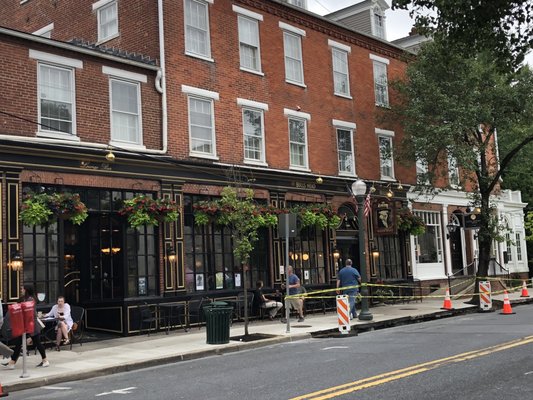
(109, 268)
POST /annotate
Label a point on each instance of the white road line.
(118, 391)
(529, 373)
(56, 388)
(335, 347)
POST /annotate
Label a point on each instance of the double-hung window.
(253, 130)
(107, 15)
(518, 247)
(341, 79)
(381, 86)
(422, 172)
(509, 246)
(429, 244)
(292, 46)
(298, 138)
(202, 140)
(248, 22)
(378, 23)
(197, 41)
(56, 94)
(125, 105)
(386, 157)
(453, 172)
(345, 147)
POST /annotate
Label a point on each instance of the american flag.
(368, 206)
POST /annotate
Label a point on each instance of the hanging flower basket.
(43, 208)
(410, 223)
(144, 210)
(321, 215)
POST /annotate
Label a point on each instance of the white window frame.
(453, 172)
(60, 62)
(250, 16)
(188, 50)
(99, 7)
(207, 96)
(518, 245)
(380, 64)
(305, 118)
(261, 159)
(131, 78)
(347, 127)
(431, 218)
(290, 31)
(45, 31)
(383, 134)
(509, 247)
(378, 30)
(341, 52)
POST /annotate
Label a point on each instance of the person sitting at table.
(261, 301)
(61, 312)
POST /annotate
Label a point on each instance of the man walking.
(349, 277)
(294, 288)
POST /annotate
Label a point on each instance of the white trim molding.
(252, 104)
(200, 92)
(55, 59)
(120, 73)
(101, 3)
(379, 59)
(339, 46)
(290, 28)
(247, 13)
(298, 114)
(384, 132)
(343, 124)
(44, 29)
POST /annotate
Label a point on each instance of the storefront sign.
(384, 218)
(88, 165)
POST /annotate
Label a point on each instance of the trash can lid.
(218, 304)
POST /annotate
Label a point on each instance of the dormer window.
(298, 3)
(378, 23)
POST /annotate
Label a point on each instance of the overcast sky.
(398, 22)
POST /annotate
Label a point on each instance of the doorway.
(456, 250)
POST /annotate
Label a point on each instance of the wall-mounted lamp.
(451, 229)
(319, 180)
(375, 252)
(399, 187)
(16, 263)
(305, 256)
(336, 253)
(390, 193)
(110, 157)
(171, 255)
(372, 189)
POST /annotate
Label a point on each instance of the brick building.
(254, 93)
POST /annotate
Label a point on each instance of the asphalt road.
(477, 356)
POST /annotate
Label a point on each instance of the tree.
(452, 106)
(503, 26)
(237, 210)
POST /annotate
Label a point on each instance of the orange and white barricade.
(343, 313)
(485, 296)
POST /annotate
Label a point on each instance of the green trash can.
(217, 322)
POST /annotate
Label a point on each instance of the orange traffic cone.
(2, 393)
(447, 302)
(524, 290)
(507, 310)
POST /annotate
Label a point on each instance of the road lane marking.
(529, 373)
(56, 388)
(335, 347)
(118, 391)
(386, 377)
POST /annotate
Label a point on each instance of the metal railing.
(502, 268)
(453, 275)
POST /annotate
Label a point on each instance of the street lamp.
(359, 191)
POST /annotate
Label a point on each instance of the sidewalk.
(135, 352)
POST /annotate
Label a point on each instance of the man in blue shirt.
(349, 277)
(294, 288)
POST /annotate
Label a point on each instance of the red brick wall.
(19, 94)
(137, 22)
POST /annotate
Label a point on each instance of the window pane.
(125, 111)
(293, 57)
(55, 98)
(201, 125)
(253, 134)
(380, 84)
(196, 28)
(108, 21)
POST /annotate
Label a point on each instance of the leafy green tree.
(503, 26)
(452, 106)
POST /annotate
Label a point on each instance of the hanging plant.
(144, 210)
(410, 223)
(43, 208)
(321, 215)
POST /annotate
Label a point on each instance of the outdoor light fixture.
(16, 263)
(319, 180)
(451, 229)
(171, 255)
(399, 187)
(110, 157)
(336, 253)
(305, 256)
(359, 191)
(375, 252)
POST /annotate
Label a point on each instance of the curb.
(135, 365)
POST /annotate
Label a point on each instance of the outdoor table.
(48, 333)
(170, 311)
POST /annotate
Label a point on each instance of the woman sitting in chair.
(61, 312)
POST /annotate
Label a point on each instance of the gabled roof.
(356, 8)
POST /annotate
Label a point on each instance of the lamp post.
(359, 191)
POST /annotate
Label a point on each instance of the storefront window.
(429, 244)
(209, 261)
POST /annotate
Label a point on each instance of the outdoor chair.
(76, 333)
(195, 311)
(147, 316)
